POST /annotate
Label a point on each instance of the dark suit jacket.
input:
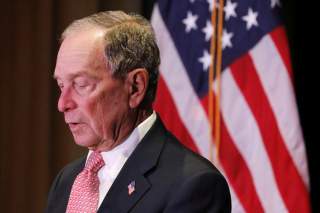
(168, 178)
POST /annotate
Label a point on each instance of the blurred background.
(34, 141)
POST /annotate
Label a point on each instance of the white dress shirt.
(116, 158)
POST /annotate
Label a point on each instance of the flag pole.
(218, 78)
(216, 58)
(211, 79)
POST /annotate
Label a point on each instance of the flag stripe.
(237, 176)
(236, 205)
(170, 116)
(248, 140)
(251, 88)
(278, 88)
(188, 106)
(279, 38)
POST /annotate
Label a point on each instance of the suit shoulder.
(182, 178)
(180, 156)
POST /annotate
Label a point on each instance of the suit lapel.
(144, 158)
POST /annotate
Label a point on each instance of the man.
(107, 70)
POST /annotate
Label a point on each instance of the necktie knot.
(94, 162)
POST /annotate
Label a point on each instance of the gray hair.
(130, 44)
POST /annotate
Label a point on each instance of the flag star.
(190, 21)
(251, 19)
(226, 39)
(274, 3)
(205, 60)
(230, 9)
(208, 30)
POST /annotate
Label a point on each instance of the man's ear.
(138, 83)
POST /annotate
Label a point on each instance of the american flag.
(261, 152)
(131, 187)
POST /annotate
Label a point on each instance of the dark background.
(34, 141)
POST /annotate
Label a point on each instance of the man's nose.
(66, 101)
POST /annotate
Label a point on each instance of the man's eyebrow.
(78, 74)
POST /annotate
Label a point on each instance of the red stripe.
(165, 106)
(289, 182)
(236, 170)
(279, 38)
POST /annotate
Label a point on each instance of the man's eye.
(81, 85)
(82, 88)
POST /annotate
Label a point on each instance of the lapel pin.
(131, 187)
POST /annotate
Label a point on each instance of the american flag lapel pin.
(131, 187)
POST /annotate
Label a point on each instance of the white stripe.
(189, 108)
(279, 90)
(245, 133)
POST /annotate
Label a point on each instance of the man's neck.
(123, 131)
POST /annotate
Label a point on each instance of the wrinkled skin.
(100, 110)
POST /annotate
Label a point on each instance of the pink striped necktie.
(84, 194)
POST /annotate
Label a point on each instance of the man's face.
(94, 103)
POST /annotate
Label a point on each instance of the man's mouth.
(74, 126)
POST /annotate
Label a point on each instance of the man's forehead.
(81, 43)
(86, 36)
(80, 52)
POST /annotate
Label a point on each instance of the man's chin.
(84, 142)
(92, 143)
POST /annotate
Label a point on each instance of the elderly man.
(107, 70)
